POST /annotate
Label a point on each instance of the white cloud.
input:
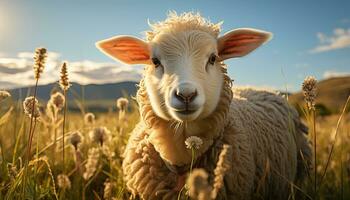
(331, 74)
(17, 72)
(345, 21)
(340, 39)
(2, 54)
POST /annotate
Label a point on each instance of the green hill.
(331, 93)
(97, 97)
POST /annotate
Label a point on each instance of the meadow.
(50, 152)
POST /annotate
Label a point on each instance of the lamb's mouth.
(185, 112)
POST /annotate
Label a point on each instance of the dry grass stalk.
(39, 61)
(39, 64)
(335, 137)
(64, 81)
(309, 91)
(223, 164)
(64, 84)
(55, 104)
(122, 105)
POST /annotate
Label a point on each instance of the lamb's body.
(266, 136)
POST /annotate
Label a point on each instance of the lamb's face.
(183, 74)
(184, 80)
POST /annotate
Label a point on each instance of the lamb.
(185, 91)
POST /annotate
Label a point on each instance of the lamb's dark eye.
(156, 62)
(212, 59)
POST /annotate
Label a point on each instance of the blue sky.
(310, 37)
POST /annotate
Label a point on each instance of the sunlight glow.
(5, 22)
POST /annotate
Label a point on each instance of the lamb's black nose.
(185, 93)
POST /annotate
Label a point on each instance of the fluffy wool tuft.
(185, 21)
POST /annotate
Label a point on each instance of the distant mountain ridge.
(97, 97)
(331, 93)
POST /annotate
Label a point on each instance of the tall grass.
(330, 186)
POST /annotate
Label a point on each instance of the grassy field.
(91, 168)
(42, 177)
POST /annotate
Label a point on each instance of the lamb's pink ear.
(240, 42)
(127, 49)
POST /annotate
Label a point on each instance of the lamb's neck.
(171, 145)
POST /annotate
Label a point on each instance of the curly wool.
(185, 21)
(260, 126)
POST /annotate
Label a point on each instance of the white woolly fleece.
(266, 136)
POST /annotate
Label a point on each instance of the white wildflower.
(4, 94)
(28, 107)
(75, 139)
(193, 142)
(122, 103)
(57, 99)
(89, 118)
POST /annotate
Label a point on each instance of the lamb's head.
(184, 58)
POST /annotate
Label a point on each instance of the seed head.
(309, 91)
(75, 139)
(122, 103)
(108, 152)
(197, 184)
(223, 164)
(4, 94)
(92, 162)
(28, 107)
(89, 118)
(108, 190)
(193, 142)
(100, 134)
(64, 81)
(39, 61)
(63, 182)
(12, 170)
(58, 100)
(50, 111)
